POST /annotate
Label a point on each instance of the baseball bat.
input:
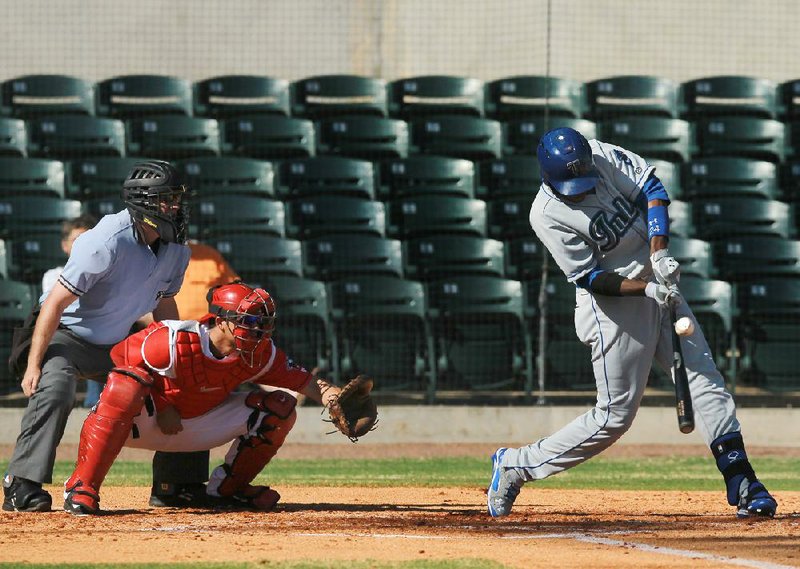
(683, 398)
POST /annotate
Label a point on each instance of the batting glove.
(663, 295)
(665, 268)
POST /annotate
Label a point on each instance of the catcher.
(172, 389)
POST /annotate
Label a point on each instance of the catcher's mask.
(154, 194)
(252, 313)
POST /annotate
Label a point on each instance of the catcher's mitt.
(353, 411)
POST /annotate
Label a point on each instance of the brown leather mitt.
(353, 411)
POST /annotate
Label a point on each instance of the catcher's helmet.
(154, 194)
(250, 310)
(566, 162)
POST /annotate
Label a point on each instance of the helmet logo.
(575, 167)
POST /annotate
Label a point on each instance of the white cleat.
(504, 487)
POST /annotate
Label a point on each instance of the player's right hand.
(169, 421)
(666, 268)
(663, 295)
(30, 381)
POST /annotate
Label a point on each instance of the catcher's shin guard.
(103, 434)
(251, 453)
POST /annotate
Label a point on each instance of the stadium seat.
(69, 136)
(479, 332)
(425, 215)
(789, 100)
(532, 95)
(747, 137)
(32, 255)
(326, 176)
(741, 258)
(509, 216)
(3, 261)
(218, 215)
(522, 136)
(35, 95)
(435, 95)
(730, 95)
(613, 97)
(331, 95)
(170, 137)
(460, 137)
(33, 214)
(31, 177)
(694, 256)
(725, 176)
(670, 175)
(652, 137)
(523, 257)
(16, 303)
(100, 206)
(382, 332)
(233, 95)
(331, 257)
(420, 175)
(258, 257)
(509, 176)
(229, 175)
(304, 331)
(137, 96)
(681, 220)
(313, 216)
(716, 218)
(95, 177)
(268, 137)
(790, 181)
(373, 138)
(13, 137)
(440, 256)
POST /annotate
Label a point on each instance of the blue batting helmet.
(565, 158)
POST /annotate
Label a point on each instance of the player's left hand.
(169, 421)
(666, 268)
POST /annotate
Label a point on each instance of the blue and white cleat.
(504, 487)
(755, 501)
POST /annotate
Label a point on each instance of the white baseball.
(684, 326)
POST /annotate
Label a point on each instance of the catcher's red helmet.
(252, 312)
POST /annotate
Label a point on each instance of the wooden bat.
(683, 398)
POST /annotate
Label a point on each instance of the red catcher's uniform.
(189, 377)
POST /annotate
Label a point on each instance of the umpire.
(130, 264)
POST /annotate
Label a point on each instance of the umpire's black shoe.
(165, 495)
(22, 495)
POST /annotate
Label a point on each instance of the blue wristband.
(657, 221)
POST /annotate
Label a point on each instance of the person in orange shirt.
(207, 268)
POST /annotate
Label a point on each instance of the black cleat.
(22, 495)
(165, 495)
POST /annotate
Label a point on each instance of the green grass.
(663, 473)
(446, 564)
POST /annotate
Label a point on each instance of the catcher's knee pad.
(265, 437)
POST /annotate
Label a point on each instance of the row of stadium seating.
(136, 95)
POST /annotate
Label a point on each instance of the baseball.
(684, 326)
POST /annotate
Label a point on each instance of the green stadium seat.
(218, 215)
(35, 95)
(793, 139)
(34, 214)
(270, 137)
(304, 331)
(509, 216)
(31, 177)
(382, 332)
(258, 257)
(534, 95)
(670, 175)
(435, 95)
(440, 256)
(694, 256)
(460, 137)
(230, 175)
(747, 137)
(742, 257)
(331, 95)
(69, 136)
(33, 254)
(613, 97)
(420, 175)
(479, 333)
(373, 138)
(3, 261)
(233, 95)
(730, 95)
(509, 176)
(426, 215)
(713, 304)
(716, 218)
(790, 181)
(326, 176)
(681, 219)
(313, 216)
(169, 137)
(16, 303)
(344, 255)
(524, 256)
(789, 100)
(97, 176)
(522, 136)
(725, 176)
(651, 137)
(13, 137)
(568, 366)
(137, 96)
(100, 206)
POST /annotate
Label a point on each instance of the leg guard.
(103, 434)
(744, 489)
(250, 454)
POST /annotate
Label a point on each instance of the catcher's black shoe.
(165, 495)
(22, 495)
